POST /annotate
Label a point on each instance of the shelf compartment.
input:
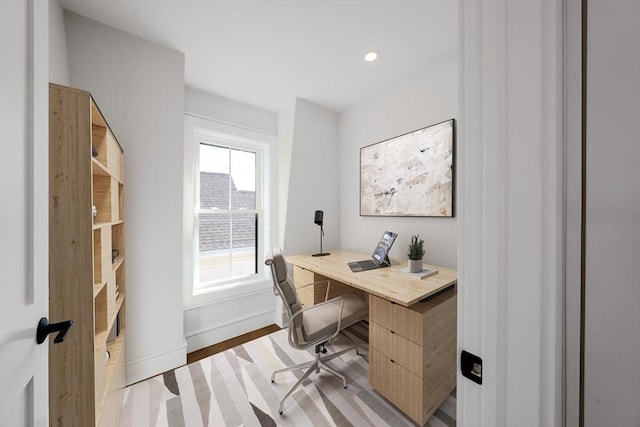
(100, 307)
(117, 241)
(98, 168)
(109, 153)
(120, 280)
(99, 144)
(115, 201)
(97, 287)
(99, 225)
(102, 266)
(114, 157)
(106, 199)
(112, 316)
(115, 380)
(116, 310)
(112, 305)
(103, 198)
(96, 115)
(120, 203)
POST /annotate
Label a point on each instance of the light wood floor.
(233, 342)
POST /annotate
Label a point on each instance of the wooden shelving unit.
(87, 276)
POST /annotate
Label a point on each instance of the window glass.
(228, 215)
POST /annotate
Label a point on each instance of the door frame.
(511, 249)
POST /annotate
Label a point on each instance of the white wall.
(139, 86)
(216, 316)
(224, 110)
(286, 120)
(307, 180)
(612, 263)
(58, 59)
(313, 180)
(426, 97)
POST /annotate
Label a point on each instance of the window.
(228, 213)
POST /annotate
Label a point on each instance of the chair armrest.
(309, 309)
(328, 282)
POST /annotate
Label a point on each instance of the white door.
(510, 228)
(23, 211)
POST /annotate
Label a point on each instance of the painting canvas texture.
(409, 175)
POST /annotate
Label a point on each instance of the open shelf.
(98, 168)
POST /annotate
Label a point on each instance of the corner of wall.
(313, 181)
(286, 122)
(58, 58)
(152, 365)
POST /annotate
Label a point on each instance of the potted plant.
(415, 254)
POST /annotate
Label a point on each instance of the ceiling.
(268, 52)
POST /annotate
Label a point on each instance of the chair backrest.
(281, 281)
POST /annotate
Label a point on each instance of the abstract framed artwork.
(410, 174)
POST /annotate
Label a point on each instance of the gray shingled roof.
(215, 192)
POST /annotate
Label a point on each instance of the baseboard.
(213, 335)
(159, 363)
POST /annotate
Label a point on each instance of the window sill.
(228, 291)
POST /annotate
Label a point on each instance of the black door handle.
(45, 328)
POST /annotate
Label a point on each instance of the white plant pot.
(415, 265)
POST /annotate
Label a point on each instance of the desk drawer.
(421, 322)
(404, 321)
(402, 350)
(404, 389)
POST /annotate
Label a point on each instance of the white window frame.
(258, 149)
(197, 128)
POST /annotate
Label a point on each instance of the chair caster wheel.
(280, 412)
(273, 381)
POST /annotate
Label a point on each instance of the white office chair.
(315, 325)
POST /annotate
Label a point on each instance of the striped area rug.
(234, 388)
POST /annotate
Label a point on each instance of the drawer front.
(301, 276)
(397, 348)
(381, 376)
(401, 320)
(398, 385)
(381, 312)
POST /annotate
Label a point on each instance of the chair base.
(313, 366)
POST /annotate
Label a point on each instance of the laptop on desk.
(379, 257)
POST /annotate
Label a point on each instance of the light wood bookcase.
(86, 278)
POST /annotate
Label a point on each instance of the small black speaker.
(318, 217)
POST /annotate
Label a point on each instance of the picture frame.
(410, 174)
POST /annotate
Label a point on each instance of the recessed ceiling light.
(371, 56)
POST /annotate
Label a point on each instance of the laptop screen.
(384, 245)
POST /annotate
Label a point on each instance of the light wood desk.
(412, 326)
